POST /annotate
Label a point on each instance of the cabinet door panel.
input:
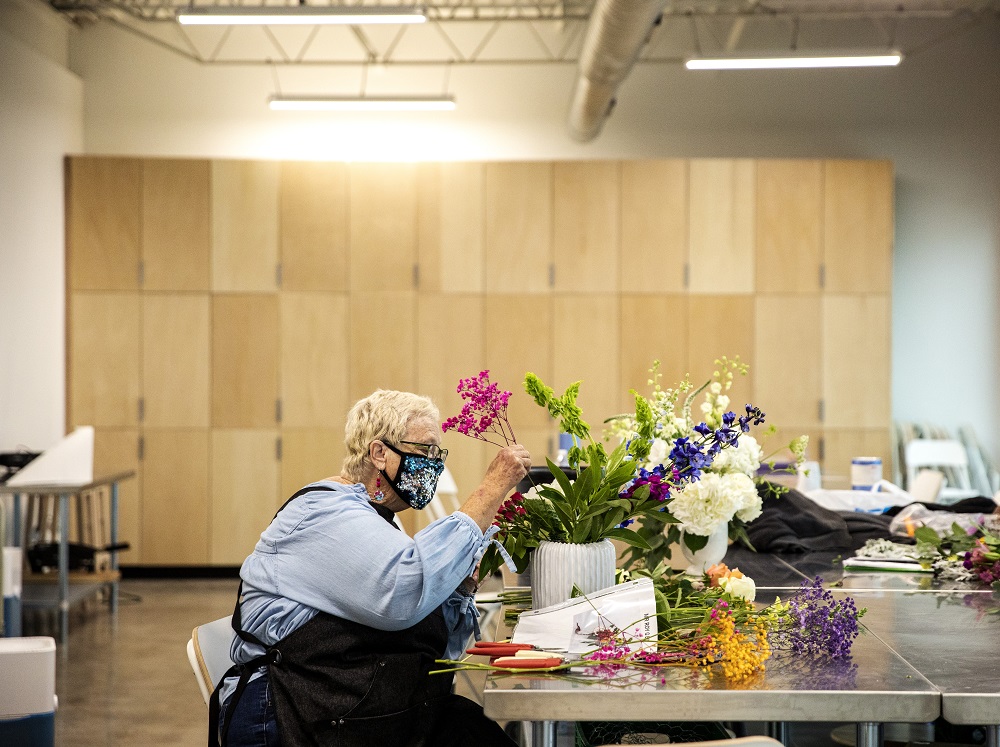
(244, 225)
(789, 347)
(104, 359)
(452, 227)
(717, 326)
(314, 240)
(722, 226)
(244, 490)
(789, 221)
(175, 360)
(777, 444)
(858, 226)
(175, 497)
(451, 345)
(652, 328)
(244, 360)
(117, 450)
(383, 218)
(176, 224)
(586, 209)
(456, 352)
(518, 227)
(315, 353)
(841, 445)
(103, 209)
(654, 225)
(856, 362)
(383, 343)
(586, 330)
(519, 339)
(308, 455)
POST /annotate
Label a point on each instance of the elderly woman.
(341, 615)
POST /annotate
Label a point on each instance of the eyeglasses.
(431, 451)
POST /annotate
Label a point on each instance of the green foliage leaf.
(928, 535)
(695, 542)
(629, 537)
(581, 533)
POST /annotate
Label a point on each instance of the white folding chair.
(949, 457)
(208, 653)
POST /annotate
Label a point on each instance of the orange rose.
(716, 573)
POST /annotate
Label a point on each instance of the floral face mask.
(417, 479)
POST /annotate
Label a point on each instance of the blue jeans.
(253, 721)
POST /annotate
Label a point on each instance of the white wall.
(935, 117)
(41, 119)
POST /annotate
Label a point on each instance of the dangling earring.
(379, 495)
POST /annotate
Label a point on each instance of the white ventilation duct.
(617, 31)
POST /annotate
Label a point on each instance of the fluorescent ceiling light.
(361, 103)
(356, 15)
(792, 61)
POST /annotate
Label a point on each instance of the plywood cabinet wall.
(224, 315)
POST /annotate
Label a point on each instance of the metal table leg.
(543, 734)
(870, 735)
(778, 730)
(993, 735)
(63, 568)
(114, 541)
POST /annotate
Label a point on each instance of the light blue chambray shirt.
(330, 551)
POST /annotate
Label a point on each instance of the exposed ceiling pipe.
(617, 31)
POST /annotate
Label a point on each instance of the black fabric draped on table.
(791, 522)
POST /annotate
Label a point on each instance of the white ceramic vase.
(713, 552)
(556, 567)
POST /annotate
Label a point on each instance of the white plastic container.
(866, 471)
(27, 691)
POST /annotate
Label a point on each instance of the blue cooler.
(28, 691)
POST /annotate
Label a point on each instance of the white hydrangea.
(713, 501)
(658, 453)
(752, 504)
(743, 458)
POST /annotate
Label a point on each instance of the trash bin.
(28, 691)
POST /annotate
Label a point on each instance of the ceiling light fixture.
(361, 103)
(355, 15)
(796, 60)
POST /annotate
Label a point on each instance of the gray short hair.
(383, 415)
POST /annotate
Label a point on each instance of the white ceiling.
(514, 32)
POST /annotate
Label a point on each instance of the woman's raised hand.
(508, 468)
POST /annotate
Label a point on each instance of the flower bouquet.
(610, 490)
(719, 463)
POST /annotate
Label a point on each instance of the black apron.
(343, 684)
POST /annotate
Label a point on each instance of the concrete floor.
(127, 682)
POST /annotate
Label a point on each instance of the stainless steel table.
(63, 493)
(879, 686)
(952, 638)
